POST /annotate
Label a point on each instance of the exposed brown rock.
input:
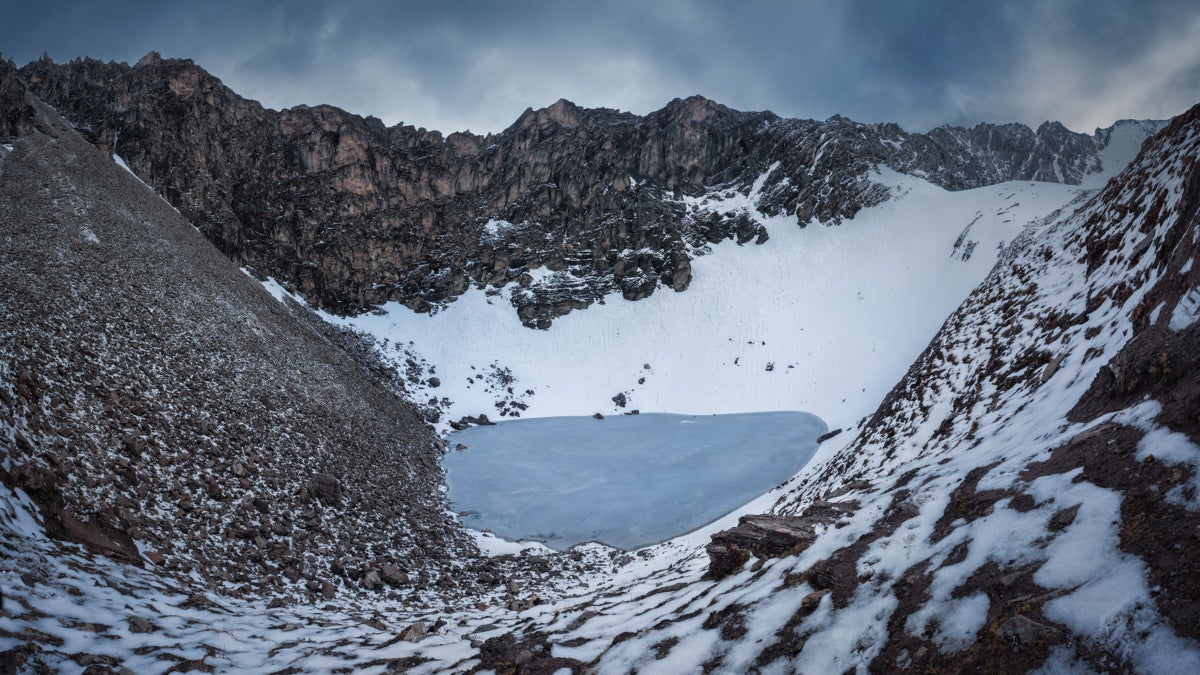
(529, 654)
(770, 536)
(327, 488)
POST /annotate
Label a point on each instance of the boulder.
(527, 653)
(770, 536)
(415, 632)
(828, 435)
(326, 488)
(139, 625)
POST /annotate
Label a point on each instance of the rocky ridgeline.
(351, 213)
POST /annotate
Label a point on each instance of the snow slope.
(1122, 141)
(818, 318)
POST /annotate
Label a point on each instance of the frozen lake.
(627, 481)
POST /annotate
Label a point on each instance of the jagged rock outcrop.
(768, 536)
(352, 214)
(16, 110)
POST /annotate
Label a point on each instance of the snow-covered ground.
(968, 498)
(821, 319)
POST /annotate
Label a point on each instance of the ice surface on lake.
(626, 481)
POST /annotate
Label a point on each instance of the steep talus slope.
(1025, 497)
(352, 214)
(158, 405)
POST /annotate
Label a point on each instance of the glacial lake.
(627, 480)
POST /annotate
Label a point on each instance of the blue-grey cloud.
(477, 65)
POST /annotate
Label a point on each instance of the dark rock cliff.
(351, 213)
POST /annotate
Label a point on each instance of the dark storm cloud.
(454, 65)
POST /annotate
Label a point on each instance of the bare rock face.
(351, 213)
(16, 113)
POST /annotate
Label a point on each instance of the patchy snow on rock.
(1186, 311)
(496, 228)
(755, 330)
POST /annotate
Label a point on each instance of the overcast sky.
(477, 65)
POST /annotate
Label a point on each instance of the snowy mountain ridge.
(1018, 493)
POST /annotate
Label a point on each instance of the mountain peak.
(695, 108)
(562, 113)
(149, 59)
(561, 163)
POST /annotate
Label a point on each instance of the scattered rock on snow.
(139, 625)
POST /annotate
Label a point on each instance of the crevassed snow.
(818, 318)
